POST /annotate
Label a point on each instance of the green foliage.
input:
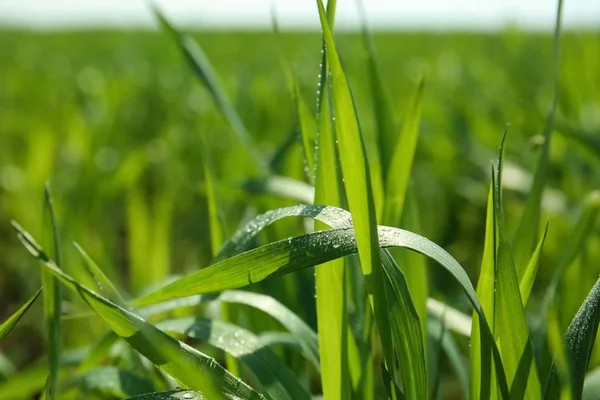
(154, 159)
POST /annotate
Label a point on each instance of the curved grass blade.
(357, 182)
(176, 395)
(205, 72)
(281, 186)
(106, 287)
(52, 298)
(452, 319)
(185, 364)
(306, 337)
(527, 230)
(112, 381)
(295, 253)
(272, 373)
(10, 323)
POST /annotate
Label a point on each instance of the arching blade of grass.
(281, 186)
(112, 381)
(510, 322)
(306, 337)
(188, 366)
(7, 325)
(579, 341)
(52, 298)
(357, 182)
(205, 72)
(531, 271)
(176, 395)
(272, 373)
(527, 230)
(106, 287)
(295, 253)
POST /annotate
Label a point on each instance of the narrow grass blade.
(453, 353)
(112, 381)
(272, 373)
(185, 364)
(98, 352)
(205, 72)
(7, 325)
(52, 298)
(176, 395)
(580, 338)
(357, 182)
(295, 253)
(330, 278)
(281, 186)
(527, 230)
(216, 235)
(105, 285)
(511, 324)
(452, 318)
(531, 271)
(482, 380)
(398, 174)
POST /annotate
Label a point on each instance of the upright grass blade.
(527, 230)
(272, 373)
(52, 298)
(398, 174)
(336, 342)
(531, 271)
(216, 236)
(205, 72)
(510, 324)
(295, 253)
(482, 380)
(355, 170)
(185, 364)
(579, 341)
(7, 325)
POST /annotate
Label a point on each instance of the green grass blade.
(482, 381)
(52, 299)
(579, 342)
(357, 182)
(98, 352)
(272, 373)
(300, 252)
(511, 324)
(185, 364)
(112, 382)
(330, 278)
(7, 325)
(281, 186)
(205, 72)
(306, 337)
(398, 174)
(590, 140)
(105, 285)
(531, 271)
(453, 354)
(175, 395)
(527, 230)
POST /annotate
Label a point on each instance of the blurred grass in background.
(115, 120)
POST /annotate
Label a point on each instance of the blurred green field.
(119, 125)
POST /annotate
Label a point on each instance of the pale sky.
(301, 14)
